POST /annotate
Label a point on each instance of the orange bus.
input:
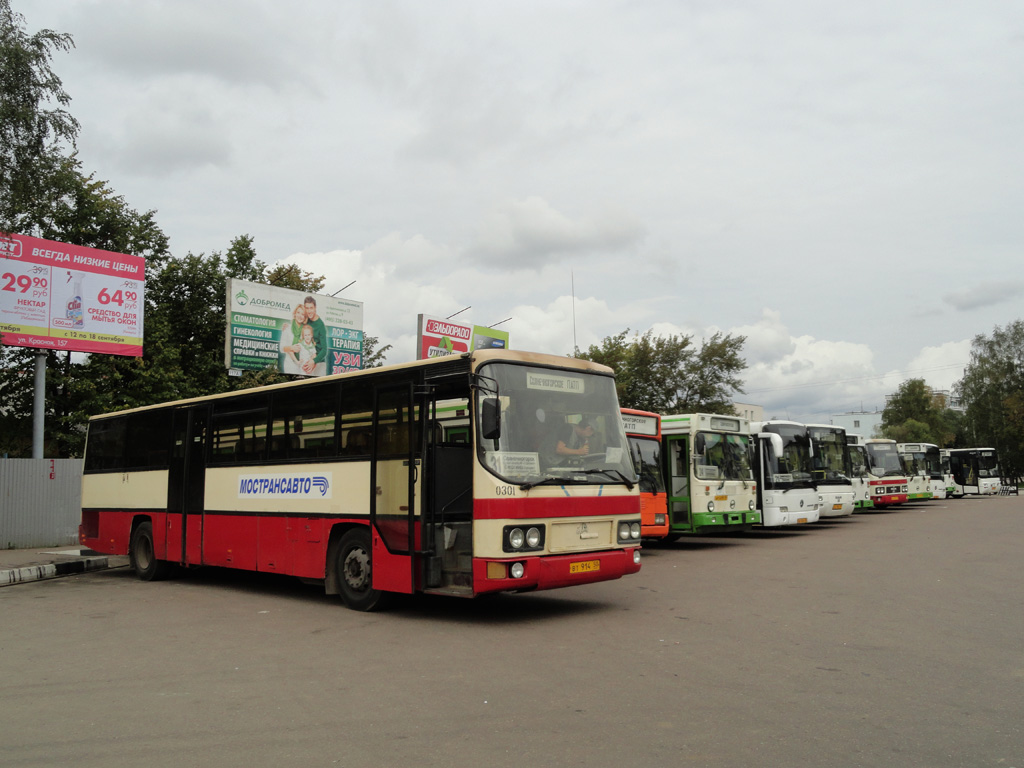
(643, 430)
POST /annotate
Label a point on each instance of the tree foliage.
(914, 413)
(992, 389)
(35, 129)
(667, 374)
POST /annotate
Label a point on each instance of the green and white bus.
(711, 487)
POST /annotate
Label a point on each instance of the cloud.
(985, 294)
(532, 233)
(235, 43)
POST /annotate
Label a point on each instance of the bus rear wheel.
(355, 572)
(142, 555)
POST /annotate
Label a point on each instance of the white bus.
(975, 471)
(831, 461)
(859, 474)
(782, 467)
(919, 484)
(927, 462)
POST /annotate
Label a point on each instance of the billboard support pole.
(39, 405)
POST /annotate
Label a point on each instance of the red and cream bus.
(885, 476)
(442, 476)
(643, 430)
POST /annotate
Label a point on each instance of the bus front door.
(394, 489)
(678, 483)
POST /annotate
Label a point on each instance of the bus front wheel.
(142, 555)
(355, 572)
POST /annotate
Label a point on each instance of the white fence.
(40, 502)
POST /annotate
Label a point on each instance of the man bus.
(429, 476)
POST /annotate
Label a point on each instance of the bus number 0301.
(506, 490)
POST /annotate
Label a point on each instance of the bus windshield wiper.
(611, 473)
(548, 480)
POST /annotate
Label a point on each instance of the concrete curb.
(55, 570)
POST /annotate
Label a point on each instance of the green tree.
(992, 390)
(666, 374)
(35, 130)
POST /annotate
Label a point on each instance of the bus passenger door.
(186, 486)
(394, 489)
(678, 479)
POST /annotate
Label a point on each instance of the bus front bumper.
(553, 571)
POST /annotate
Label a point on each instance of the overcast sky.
(839, 183)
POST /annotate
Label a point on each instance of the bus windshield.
(933, 462)
(722, 457)
(646, 452)
(556, 426)
(988, 465)
(794, 465)
(858, 461)
(885, 459)
(830, 454)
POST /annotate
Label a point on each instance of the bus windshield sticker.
(552, 382)
(513, 463)
(707, 472)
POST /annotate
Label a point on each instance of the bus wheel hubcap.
(357, 569)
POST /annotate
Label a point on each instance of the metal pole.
(39, 406)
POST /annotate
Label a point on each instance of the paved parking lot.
(886, 639)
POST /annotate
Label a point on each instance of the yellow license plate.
(585, 567)
(837, 506)
(801, 519)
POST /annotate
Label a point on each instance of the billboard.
(437, 337)
(69, 297)
(302, 334)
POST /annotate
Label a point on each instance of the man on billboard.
(318, 365)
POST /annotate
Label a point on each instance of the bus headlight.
(732, 503)
(750, 505)
(517, 570)
(711, 506)
(636, 556)
(628, 531)
(659, 519)
(515, 539)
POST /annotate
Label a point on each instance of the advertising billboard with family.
(302, 334)
(69, 297)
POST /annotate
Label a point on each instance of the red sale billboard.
(69, 297)
(438, 337)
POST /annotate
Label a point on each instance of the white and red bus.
(643, 430)
(884, 474)
(440, 476)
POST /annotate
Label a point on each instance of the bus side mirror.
(490, 419)
(698, 444)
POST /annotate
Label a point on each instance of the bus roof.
(472, 360)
